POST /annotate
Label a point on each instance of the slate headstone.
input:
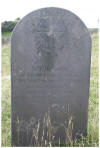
(50, 74)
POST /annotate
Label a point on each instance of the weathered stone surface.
(50, 71)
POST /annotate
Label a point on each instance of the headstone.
(50, 74)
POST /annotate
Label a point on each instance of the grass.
(92, 138)
(5, 60)
(6, 34)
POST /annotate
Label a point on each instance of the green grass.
(93, 119)
(5, 60)
(6, 34)
(6, 113)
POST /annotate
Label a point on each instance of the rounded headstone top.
(42, 20)
(45, 35)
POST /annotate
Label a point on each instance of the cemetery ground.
(93, 121)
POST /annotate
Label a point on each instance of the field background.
(92, 138)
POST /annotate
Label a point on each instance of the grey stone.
(50, 74)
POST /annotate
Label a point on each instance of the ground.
(93, 119)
